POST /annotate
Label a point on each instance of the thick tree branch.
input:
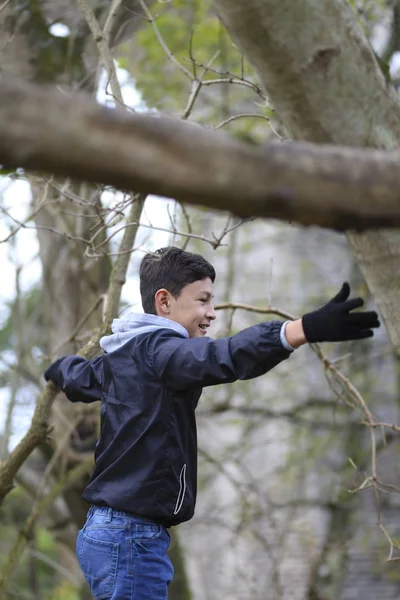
(340, 188)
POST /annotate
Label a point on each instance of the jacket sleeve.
(80, 379)
(199, 362)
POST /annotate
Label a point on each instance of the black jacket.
(149, 385)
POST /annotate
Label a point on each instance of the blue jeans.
(124, 556)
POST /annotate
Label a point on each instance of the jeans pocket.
(99, 562)
(147, 531)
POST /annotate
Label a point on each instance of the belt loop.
(109, 515)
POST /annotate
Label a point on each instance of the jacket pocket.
(182, 490)
(99, 562)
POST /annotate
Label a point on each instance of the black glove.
(334, 322)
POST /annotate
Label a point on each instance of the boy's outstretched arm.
(201, 362)
(333, 322)
(79, 379)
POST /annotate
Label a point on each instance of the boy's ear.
(162, 302)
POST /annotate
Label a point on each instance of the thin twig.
(269, 310)
(379, 424)
(81, 322)
(226, 230)
(354, 393)
(194, 92)
(10, 39)
(90, 254)
(67, 236)
(191, 54)
(68, 194)
(242, 116)
(2, 7)
(188, 224)
(391, 545)
(112, 15)
(227, 77)
(162, 42)
(215, 242)
(53, 564)
(236, 81)
(196, 87)
(22, 224)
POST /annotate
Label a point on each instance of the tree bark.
(333, 187)
(324, 80)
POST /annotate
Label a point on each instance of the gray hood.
(134, 324)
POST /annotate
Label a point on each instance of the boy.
(149, 381)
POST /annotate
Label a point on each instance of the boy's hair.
(170, 268)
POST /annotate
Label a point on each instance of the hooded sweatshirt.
(149, 381)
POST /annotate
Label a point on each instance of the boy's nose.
(211, 314)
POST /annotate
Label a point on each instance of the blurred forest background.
(297, 496)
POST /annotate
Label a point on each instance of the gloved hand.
(334, 322)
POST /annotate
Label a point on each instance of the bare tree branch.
(38, 429)
(38, 509)
(333, 187)
(352, 397)
(101, 40)
(161, 40)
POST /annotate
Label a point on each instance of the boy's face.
(193, 308)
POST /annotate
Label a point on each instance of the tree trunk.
(321, 74)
